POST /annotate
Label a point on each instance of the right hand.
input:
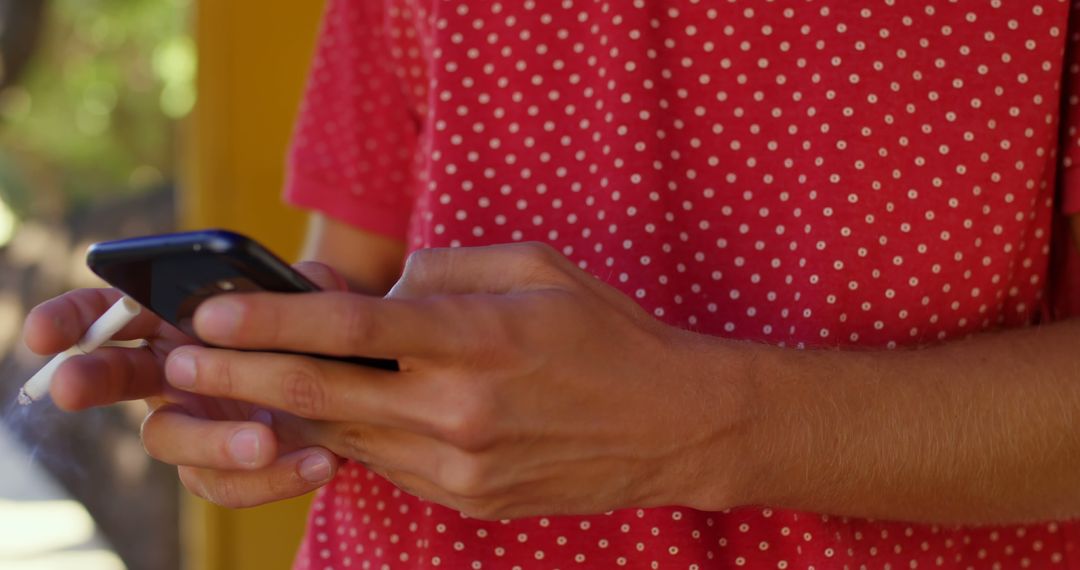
(226, 451)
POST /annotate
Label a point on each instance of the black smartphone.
(171, 274)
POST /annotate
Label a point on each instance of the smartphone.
(172, 274)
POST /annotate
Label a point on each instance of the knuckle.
(358, 328)
(470, 426)
(539, 254)
(281, 487)
(221, 490)
(225, 492)
(425, 266)
(128, 386)
(355, 443)
(482, 510)
(219, 371)
(541, 263)
(303, 391)
(467, 479)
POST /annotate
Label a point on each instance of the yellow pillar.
(253, 60)
(253, 57)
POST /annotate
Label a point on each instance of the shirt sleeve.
(1070, 152)
(353, 146)
(1062, 298)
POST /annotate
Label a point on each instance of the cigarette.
(98, 335)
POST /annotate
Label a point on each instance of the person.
(690, 284)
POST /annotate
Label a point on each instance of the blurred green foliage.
(96, 111)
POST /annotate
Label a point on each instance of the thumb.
(326, 277)
(495, 269)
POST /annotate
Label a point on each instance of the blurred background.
(121, 118)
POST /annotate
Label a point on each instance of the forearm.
(983, 430)
(369, 262)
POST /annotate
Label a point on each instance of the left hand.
(527, 387)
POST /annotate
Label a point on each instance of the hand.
(225, 450)
(527, 386)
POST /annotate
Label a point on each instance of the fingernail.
(181, 370)
(218, 318)
(315, 469)
(244, 446)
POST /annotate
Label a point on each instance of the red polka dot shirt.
(803, 173)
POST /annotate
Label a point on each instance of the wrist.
(798, 445)
(726, 378)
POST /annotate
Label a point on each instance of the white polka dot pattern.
(864, 173)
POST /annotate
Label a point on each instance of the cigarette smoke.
(50, 438)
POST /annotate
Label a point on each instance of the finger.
(509, 504)
(420, 465)
(502, 269)
(107, 376)
(498, 269)
(492, 269)
(287, 430)
(305, 387)
(58, 323)
(423, 488)
(289, 476)
(384, 448)
(322, 275)
(417, 464)
(335, 324)
(171, 435)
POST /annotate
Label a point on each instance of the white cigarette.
(98, 335)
